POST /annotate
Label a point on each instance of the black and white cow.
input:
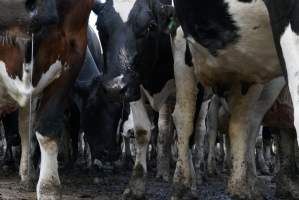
(92, 111)
(231, 48)
(138, 66)
(284, 17)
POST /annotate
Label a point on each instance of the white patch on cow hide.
(49, 164)
(128, 125)
(52, 74)
(92, 22)
(141, 122)
(123, 8)
(157, 100)
(20, 90)
(117, 82)
(290, 49)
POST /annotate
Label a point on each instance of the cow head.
(17, 17)
(129, 32)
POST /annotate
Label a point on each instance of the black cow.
(92, 112)
(138, 65)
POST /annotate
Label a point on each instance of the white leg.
(290, 48)
(48, 187)
(183, 117)
(142, 130)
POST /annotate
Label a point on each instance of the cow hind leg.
(287, 180)
(164, 143)
(242, 181)
(48, 187)
(26, 170)
(212, 129)
(142, 126)
(246, 117)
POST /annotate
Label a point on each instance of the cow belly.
(252, 58)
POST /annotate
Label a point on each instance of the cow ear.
(98, 6)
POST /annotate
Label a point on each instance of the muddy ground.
(81, 184)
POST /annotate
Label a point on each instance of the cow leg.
(247, 114)
(142, 128)
(212, 129)
(200, 150)
(11, 129)
(127, 155)
(287, 181)
(290, 50)
(164, 142)
(228, 155)
(242, 179)
(48, 187)
(220, 155)
(183, 116)
(26, 171)
(49, 125)
(267, 147)
(260, 160)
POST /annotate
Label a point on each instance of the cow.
(17, 20)
(284, 17)
(230, 48)
(50, 69)
(138, 66)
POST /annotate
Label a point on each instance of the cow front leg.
(27, 171)
(287, 180)
(212, 130)
(201, 147)
(260, 160)
(142, 129)
(48, 187)
(164, 142)
(183, 116)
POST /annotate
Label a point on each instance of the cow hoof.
(287, 188)
(163, 176)
(249, 190)
(181, 191)
(28, 185)
(130, 195)
(49, 192)
(136, 188)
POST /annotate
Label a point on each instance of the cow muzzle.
(120, 89)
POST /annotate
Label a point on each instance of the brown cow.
(59, 51)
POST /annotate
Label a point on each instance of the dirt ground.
(79, 184)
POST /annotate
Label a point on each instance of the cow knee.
(142, 136)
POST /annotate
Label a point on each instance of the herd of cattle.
(201, 71)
